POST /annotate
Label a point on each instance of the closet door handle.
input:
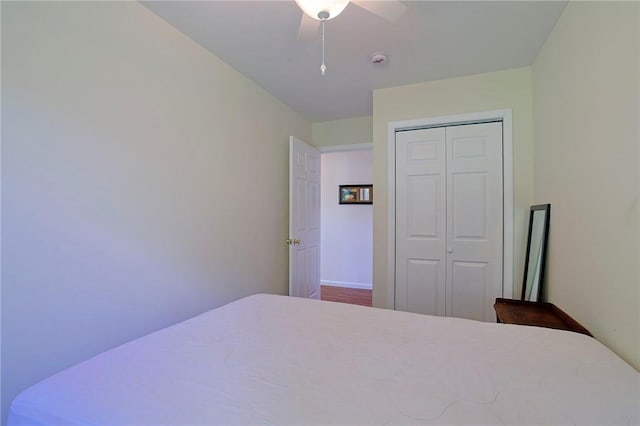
(450, 250)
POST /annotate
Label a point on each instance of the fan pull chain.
(323, 67)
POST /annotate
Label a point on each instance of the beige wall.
(587, 137)
(509, 89)
(143, 181)
(350, 131)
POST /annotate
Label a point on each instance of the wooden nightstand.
(539, 314)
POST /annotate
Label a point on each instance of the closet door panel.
(468, 284)
(423, 277)
(469, 194)
(420, 221)
(474, 220)
(423, 199)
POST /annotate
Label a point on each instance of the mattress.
(281, 360)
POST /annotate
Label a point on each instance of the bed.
(269, 359)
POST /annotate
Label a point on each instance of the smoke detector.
(378, 59)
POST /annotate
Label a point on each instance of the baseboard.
(346, 284)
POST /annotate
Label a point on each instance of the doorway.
(346, 265)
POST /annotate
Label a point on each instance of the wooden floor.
(355, 296)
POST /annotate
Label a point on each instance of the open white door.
(304, 220)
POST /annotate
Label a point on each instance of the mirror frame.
(543, 250)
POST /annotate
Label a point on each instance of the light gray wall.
(143, 182)
(586, 91)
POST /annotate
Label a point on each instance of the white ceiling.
(432, 40)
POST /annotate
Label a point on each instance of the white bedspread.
(282, 360)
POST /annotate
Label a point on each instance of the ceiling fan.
(317, 12)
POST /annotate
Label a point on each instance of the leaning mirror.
(536, 252)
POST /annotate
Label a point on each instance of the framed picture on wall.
(355, 194)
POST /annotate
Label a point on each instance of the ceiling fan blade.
(390, 10)
(309, 28)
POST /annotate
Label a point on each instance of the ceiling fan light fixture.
(322, 10)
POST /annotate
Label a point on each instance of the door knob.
(450, 250)
(292, 241)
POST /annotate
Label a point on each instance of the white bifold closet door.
(449, 222)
